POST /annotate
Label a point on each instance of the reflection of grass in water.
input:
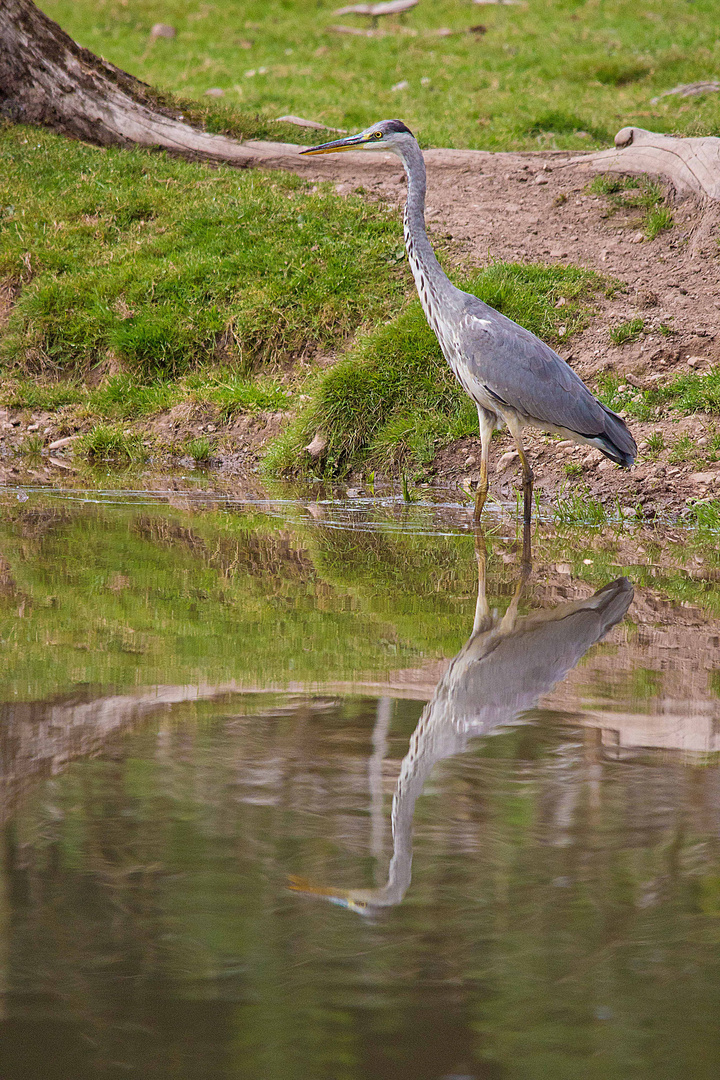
(163, 596)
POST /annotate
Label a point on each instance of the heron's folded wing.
(523, 372)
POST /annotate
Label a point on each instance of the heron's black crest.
(395, 125)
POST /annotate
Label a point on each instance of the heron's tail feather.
(615, 441)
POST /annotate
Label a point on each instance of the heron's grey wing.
(520, 370)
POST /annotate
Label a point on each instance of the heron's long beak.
(338, 145)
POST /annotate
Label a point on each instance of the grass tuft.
(235, 394)
(628, 193)
(107, 442)
(576, 506)
(627, 331)
(201, 449)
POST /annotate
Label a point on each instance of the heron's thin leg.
(487, 423)
(527, 477)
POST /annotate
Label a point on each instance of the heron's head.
(358, 900)
(386, 135)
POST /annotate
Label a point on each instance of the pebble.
(508, 458)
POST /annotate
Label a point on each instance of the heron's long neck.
(430, 278)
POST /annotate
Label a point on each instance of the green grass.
(166, 265)
(628, 193)
(235, 394)
(681, 451)
(575, 506)
(31, 446)
(26, 393)
(627, 331)
(655, 444)
(554, 73)
(124, 398)
(393, 397)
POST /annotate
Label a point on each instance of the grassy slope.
(543, 71)
(166, 263)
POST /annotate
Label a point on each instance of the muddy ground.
(516, 207)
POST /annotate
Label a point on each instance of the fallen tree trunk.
(691, 165)
(48, 79)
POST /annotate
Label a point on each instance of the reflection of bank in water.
(500, 673)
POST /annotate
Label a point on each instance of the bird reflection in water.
(506, 665)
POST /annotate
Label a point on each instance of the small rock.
(469, 461)
(508, 458)
(402, 85)
(558, 253)
(636, 238)
(215, 91)
(425, 81)
(59, 443)
(692, 362)
(316, 447)
(563, 568)
(33, 427)
(703, 477)
(162, 30)
(628, 511)
(352, 493)
(540, 179)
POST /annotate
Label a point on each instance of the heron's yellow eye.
(377, 135)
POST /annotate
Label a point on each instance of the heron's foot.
(480, 497)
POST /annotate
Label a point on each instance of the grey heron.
(514, 378)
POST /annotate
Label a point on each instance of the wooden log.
(691, 165)
(47, 79)
(390, 7)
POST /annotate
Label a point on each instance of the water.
(259, 823)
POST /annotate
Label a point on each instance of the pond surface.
(286, 793)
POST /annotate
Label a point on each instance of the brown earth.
(526, 207)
